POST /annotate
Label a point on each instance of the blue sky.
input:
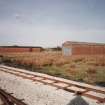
(49, 23)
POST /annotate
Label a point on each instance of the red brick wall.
(88, 49)
(20, 50)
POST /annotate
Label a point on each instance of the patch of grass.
(55, 71)
(100, 75)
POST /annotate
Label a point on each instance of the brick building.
(82, 48)
(10, 49)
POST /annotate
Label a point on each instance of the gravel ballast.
(35, 93)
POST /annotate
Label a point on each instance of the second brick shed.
(82, 48)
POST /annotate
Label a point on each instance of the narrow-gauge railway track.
(8, 99)
(60, 84)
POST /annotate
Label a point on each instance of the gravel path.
(40, 94)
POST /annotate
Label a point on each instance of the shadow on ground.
(78, 100)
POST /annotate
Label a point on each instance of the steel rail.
(8, 99)
(73, 84)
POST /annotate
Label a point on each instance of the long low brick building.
(10, 49)
(82, 48)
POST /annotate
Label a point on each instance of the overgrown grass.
(89, 69)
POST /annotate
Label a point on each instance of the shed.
(82, 48)
(15, 49)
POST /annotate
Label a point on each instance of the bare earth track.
(93, 92)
